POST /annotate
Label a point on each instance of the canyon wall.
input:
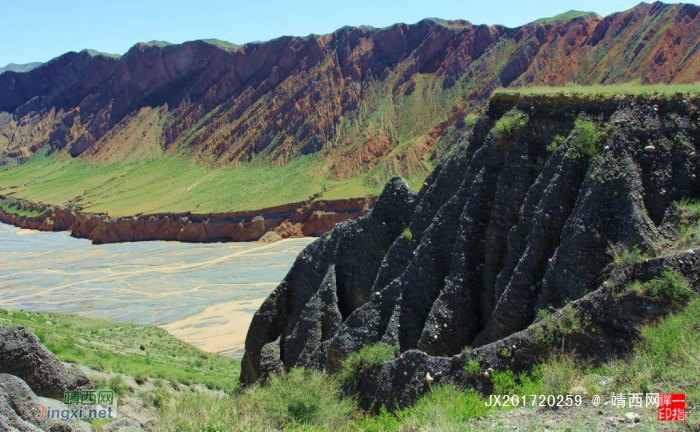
(365, 100)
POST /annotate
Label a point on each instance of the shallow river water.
(205, 294)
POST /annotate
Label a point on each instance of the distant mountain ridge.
(364, 103)
(14, 67)
(564, 16)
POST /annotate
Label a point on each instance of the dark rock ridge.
(504, 227)
(607, 321)
(294, 96)
(303, 219)
(30, 375)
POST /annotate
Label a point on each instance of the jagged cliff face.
(506, 226)
(366, 100)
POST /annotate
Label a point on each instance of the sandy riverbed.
(205, 294)
(220, 328)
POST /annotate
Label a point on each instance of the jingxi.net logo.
(671, 407)
(82, 405)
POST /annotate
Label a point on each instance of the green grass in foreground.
(605, 90)
(141, 351)
(367, 357)
(666, 360)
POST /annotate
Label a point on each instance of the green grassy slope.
(606, 90)
(13, 207)
(169, 185)
(666, 360)
(141, 351)
(562, 16)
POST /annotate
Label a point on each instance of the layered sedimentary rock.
(305, 219)
(519, 219)
(363, 99)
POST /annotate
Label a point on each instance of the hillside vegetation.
(176, 184)
(166, 184)
(172, 185)
(605, 90)
(563, 16)
(665, 360)
(337, 114)
(141, 351)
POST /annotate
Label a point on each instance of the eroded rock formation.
(519, 219)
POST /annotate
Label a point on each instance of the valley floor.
(205, 294)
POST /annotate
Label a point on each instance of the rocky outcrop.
(30, 376)
(21, 409)
(330, 279)
(352, 97)
(519, 219)
(24, 356)
(270, 237)
(599, 326)
(304, 219)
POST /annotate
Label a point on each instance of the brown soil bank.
(303, 219)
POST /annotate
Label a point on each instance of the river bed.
(205, 294)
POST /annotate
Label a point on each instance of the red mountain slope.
(365, 100)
